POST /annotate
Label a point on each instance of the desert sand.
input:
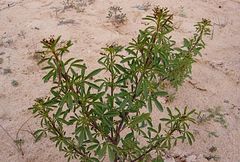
(215, 82)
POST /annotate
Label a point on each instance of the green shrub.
(107, 112)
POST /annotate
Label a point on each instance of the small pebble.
(7, 71)
(213, 149)
(1, 60)
(2, 53)
(226, 101)
(14, 83)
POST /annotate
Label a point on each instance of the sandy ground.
(215, 82)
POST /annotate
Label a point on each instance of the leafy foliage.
(107, 111)
(214, 114)
(116, 16)
(78, 5)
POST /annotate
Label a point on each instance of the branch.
(153, 147)
(146, 64)
(62, 136)
(66, 78)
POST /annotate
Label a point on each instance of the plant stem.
(62, 136)
(153, 147)
(17, 146)
(112, 91)
(66, 77)
(146, 64)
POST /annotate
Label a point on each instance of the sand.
(215, 82)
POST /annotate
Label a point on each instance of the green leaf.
(159, 127)
(93, 159)
(129, 136)
(190, 137)
(79, 66)
(127, 59)
(158, 159)
(47, 67)
(89, 134)
(121, 68)
(82, 136)
(139, 119)
(77, 61)
(150, 18)
(111, 113)
(111, 154)
(158, 104)
(145, 89)
(39, 134)
(98, 111)
(149, 104)
(186, 43)
(123, 103)
(160, 94)
(48, 76)
(107, 122)
(93, 73)
(43, 59)
(69, 60)
(69, 101)
(92, 85)
(92, 147)
(102, 151)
